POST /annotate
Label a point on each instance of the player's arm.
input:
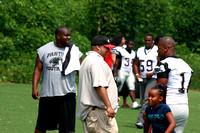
(102, 92)
(116, 66)
(80, 60)
(158, 59)
(162, 81)
(172, 123)
(149, 75)
(162, 73)
(146, 123)
(36, 78)
(136, 66)
(113, 57)
(162, 78)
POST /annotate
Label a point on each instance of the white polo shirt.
(94, 72)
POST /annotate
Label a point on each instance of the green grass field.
(18, 112)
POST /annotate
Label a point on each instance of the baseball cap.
(102, 40)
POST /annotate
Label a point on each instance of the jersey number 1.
(182, 89)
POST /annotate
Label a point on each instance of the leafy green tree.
(186, 19)
(105, 17)
(152, 17)
(133, 19)
(28, 24)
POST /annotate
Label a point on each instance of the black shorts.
(125, 91)
(57, 113)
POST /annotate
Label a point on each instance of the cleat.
(139, 125)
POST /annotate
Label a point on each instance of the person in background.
(124, 71)
(156, 40)
(145, 62)
(98, 98)
(57, 61)
(119, 41)
(176, 73)
(157, 114)
(108, 58)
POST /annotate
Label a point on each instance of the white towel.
(74, 63)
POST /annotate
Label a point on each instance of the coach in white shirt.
(97, 100)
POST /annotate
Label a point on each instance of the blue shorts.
(57, 113)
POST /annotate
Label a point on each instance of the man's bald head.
(166, 47)
(167, 42)
(60, 30)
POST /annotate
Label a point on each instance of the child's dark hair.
(162, 90)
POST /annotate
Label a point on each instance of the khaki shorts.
(97, 121)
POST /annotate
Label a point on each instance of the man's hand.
(111, 112)
(118, 99)
(149, 75)
(35, 94)
(102, 92)
(114, 74)
(138, 77)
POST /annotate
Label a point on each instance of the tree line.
(28, 24)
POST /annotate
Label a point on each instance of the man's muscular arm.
(36, 78)
(102, 92)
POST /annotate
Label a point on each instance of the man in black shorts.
(57, 61)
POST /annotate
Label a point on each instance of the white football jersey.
(117, 50)
(127, 60)
(148, 60)
(179, 75)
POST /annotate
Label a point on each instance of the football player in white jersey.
(124, 70)
(146, 60)
(119, 41)
(176, 73)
